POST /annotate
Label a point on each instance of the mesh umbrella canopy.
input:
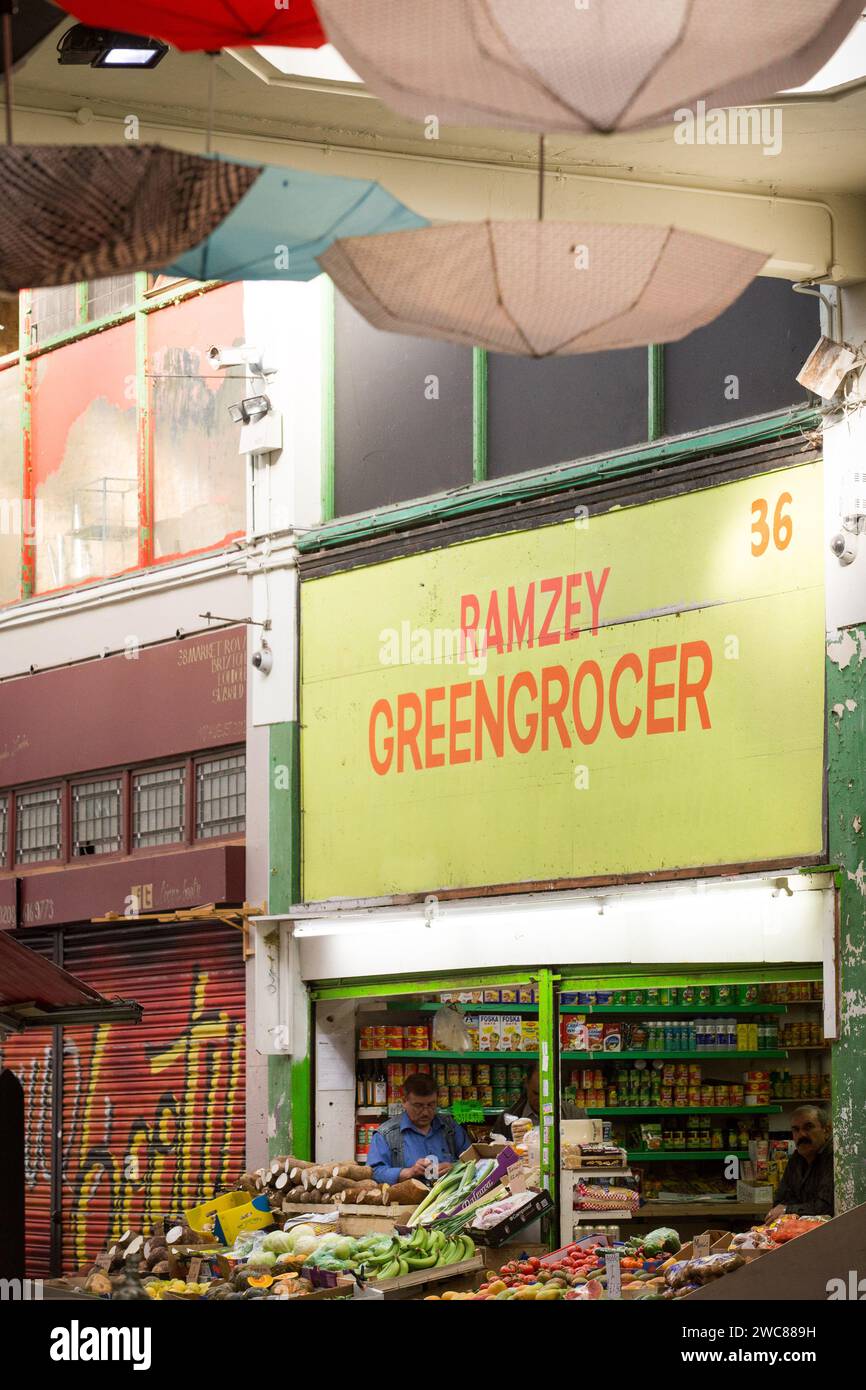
(287, 219)
(206, 25)
(81, 212)
(614, 64)
(541, 289)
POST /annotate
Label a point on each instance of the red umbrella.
(206, 25)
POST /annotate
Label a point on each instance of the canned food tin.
(465, 1074)
(485, 1097)
(452, 1074)
(456, 1093)
(470, 1093)
(482, 1074)
(444, 1097)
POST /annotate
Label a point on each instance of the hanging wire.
(541, 178)
(6, 10)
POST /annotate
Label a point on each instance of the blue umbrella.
(285, 220)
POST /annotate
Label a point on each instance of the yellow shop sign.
(621, 694)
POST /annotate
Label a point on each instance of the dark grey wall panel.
(763, 340)
(392, 443)
(563, 408)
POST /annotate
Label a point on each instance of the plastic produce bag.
(449, 1030)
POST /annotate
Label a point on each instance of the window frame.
(215, 756)
(147, 300)
(187, 764)
(53, 784)
(87, 780)
(167, 765)
(483, 491)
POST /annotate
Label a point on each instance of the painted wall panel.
(168, 699)
(85, 465)
(690, 632)
(14, 518)
(199, 476)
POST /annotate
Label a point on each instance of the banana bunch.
(424, 1249)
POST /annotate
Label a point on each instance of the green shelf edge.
(682, 1155)
(467, 1008)
(448, 1056)
(672, 1011)
(667, 1056)
(623, 1110)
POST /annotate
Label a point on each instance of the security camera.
(224, 357)
(844, 543)
(263, 659)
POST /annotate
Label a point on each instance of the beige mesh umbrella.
(557, 65)
(541, 289)
(81, 212)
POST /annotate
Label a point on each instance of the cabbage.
(262, 1257)
(304, 1245)
(344, 1249)
(297, 1231)
(278, 1241)
(329, 1240)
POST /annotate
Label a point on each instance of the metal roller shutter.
(153, 1114)
(31, 1056)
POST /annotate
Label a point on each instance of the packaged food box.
(595, 1036)
(612, 1040)
(492, 996)
(724, 994)
(509, 995)
(573, 1033)
(604, 997)
(526, 994)
(510, 1035)
(620, 996)
(488, 1032)
(530, 1035)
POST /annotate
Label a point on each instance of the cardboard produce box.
(755, 1193)
(503, 1230)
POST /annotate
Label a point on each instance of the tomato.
(533, 1263)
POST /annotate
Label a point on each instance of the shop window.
(96, 826)
(402, 415)
(220, 796)
(9, 324)
(745, 362)
(110, 296)
(561, 408)
(15, 515)
(199, 476)
(52, 310)
(84, 442)
(4, 832)
(158, 807)
(38, 819)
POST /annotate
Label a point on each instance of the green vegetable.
(278, 1241)
(664, 1240)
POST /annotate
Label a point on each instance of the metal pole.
(541, 178)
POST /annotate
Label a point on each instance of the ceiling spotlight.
(82, 46)
(251, 409)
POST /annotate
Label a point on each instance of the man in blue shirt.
(401, 1146)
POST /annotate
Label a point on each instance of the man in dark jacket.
(806, 1188)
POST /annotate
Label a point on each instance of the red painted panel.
(157, 883)
(153, 1114)
(174, 698)
(30, 1056)
(8, 901)
(71, 379)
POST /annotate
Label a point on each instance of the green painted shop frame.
(146, 300)
(484, 492)
(551, 983)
